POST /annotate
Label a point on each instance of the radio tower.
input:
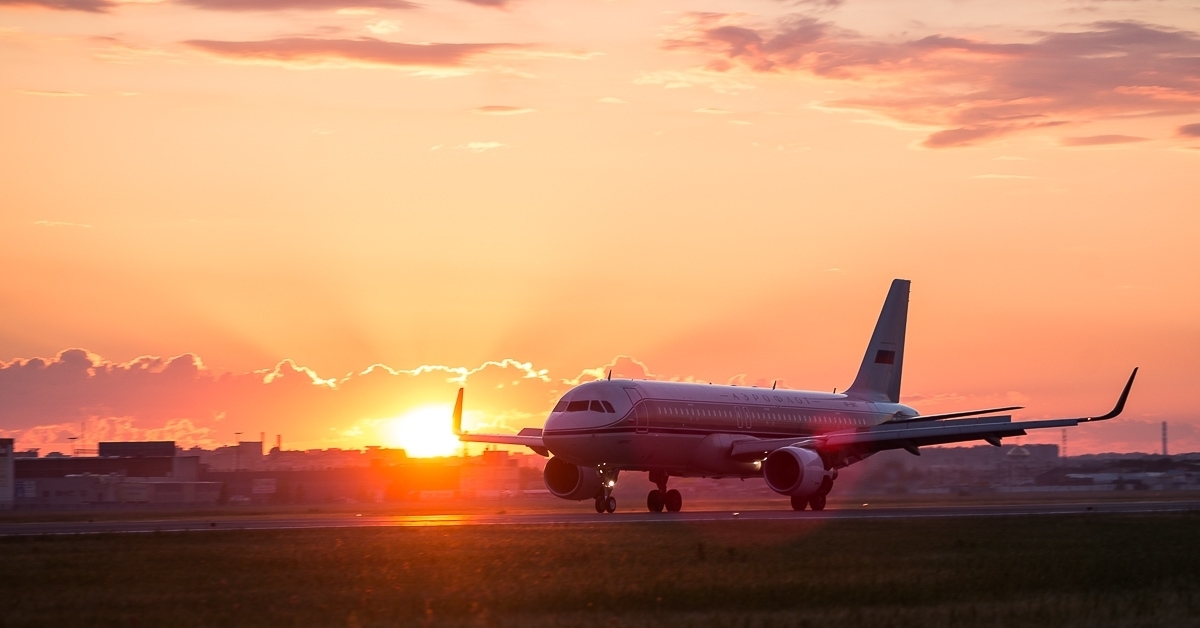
(1164, 438)
(1064, 445)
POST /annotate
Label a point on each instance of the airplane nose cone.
(554, 421)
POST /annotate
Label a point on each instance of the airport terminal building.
(123, 473)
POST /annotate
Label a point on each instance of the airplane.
(795, 440)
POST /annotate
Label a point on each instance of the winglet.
(1120, 402)
(458, 414)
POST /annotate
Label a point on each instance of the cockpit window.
(596, 407)
(608, 407)
(561, 406)
(577, 406)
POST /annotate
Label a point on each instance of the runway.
(349, 520)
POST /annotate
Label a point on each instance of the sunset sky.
(312, 217)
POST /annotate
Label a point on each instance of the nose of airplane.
(556, 421)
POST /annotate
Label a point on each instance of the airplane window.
(596, 407)
(578, 406)
(561, 406)
(608, 407)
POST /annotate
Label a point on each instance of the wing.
(529, 437)
(844, 448)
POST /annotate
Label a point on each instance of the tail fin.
(879, 376)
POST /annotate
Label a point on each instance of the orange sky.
(720, 190)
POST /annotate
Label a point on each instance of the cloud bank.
(103, 6)
(367, 51)
(972, 90)
(90, 6)
(312, 5)
(45, 401)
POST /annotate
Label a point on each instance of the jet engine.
(795, 471)
(570, 481)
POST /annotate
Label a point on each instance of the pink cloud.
(91, 6)
(1101, 140)
(314, 5)
(101, 6)
(366, 51)
(46, 400)
(973, 90)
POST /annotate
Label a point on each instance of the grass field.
(1087, 570)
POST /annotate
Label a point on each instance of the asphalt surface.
(585, 517)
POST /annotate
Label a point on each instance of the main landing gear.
(662, 498)
(816, 502)
(605, 502)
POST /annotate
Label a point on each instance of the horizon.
(320, 218)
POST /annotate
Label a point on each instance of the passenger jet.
(795, 440)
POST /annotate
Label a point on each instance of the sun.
(422, 432)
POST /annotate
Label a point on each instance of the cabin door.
(641, 414)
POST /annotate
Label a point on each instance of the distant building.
(494, 474)
(138, 449)
(7, 474)
(185, 469)
(128, 473)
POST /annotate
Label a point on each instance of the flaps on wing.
(951, 415)
(912, 434)
(899, 436)
(941, 433)
(530, 437)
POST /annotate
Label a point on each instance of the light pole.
(237, 451)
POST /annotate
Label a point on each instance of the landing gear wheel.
(799, 503)
(654, 501)
(610, 504)
(817, 502)
(673, 501)
(601, 504)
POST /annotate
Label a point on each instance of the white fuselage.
(687, 429)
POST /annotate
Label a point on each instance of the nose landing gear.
(605, 502)
(662, 498)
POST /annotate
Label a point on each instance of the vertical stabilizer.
(879, 376)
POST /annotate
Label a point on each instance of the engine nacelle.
(794, 471)
(570, 481)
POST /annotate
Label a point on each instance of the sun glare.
(422, 432)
